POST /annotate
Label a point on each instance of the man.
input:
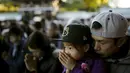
(109, 32)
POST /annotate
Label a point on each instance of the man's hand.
(67, 61)
(30, 62)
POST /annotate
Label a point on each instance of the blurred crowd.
(14, 38)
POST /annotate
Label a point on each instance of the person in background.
(40, 59)
(78, 56)
(53, 33)
(111, 43)
(16, 42)
(48, 19)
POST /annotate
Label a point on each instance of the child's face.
(74, 52)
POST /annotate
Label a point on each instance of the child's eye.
(70, 47)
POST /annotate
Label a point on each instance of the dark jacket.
(50, 65)
(4, 67)
(120, 66)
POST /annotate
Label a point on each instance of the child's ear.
(121, 41)
(86, 48)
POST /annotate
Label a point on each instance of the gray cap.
(113, 25)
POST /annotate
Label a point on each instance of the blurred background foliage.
(64, 5)
(88, 5)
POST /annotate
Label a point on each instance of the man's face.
(104, 46)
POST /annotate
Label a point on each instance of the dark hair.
(38, 40)
(16, 30)
(96, 25)
(38, 25)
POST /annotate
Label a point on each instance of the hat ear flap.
(121, 41)
(86, 48)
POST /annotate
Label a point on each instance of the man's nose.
(97, 46)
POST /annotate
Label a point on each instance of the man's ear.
(121, 41)
(86, 47)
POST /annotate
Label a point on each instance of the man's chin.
(102, 55)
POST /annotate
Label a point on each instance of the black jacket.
(51, 65)
(4, 67)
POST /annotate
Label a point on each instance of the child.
(77, 54)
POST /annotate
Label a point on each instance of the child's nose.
(66, 51)
(97, 46)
